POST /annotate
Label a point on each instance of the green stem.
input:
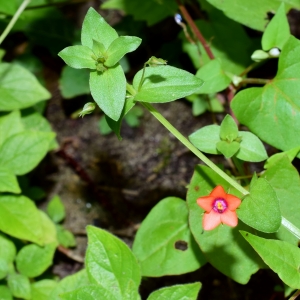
(290, 227)
(192, 148)
(295, 295)
(13, 20)
(255, 81)
(141, 82)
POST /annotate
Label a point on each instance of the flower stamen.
(220, 205)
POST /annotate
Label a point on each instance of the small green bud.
(100, 67)
(274, 52)
(154, 61)
(236, 80)
(259, 55)
(87, 109)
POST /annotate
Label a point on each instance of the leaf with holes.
(223, 247)
(273, 111)
(165, 233)
(282, 257)
(177, 292)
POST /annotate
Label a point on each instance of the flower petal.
(206, 203)
(233, 201)
(229, 218)
(218, 192)
(211, 220)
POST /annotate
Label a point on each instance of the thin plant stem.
(254, 81)
(195, 29)
(192, 148)
(142, 78)
(249, 68)
(295, 295)
(13, 20)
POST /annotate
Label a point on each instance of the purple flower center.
(220, 205)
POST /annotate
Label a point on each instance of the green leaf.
(132, 117)
(74, 82)
(164, 84)
(177, 292)
(291, 154)
(214, 77)
(42, 289)
(49, 230)
(23, 151)
(223, 247)
(7, 255)
(151, 12)
(119, 47)
(110, 263)
(70, 283)
(33, 260)
(206, 138)
(282, 257)
(277, 31)
(94, 27)
(8, 7)
(272, 112)
(6, 128)
(228, 129)
(8, 182)
(5, 293)
(20, 218)
(260, 209)
(56, 209)
(19, 286)
(78, 57)
(284, 179)
(251, 148)
(35, 121)
(234, 56)
(108, 90)
(162, 234)
(15, 95)
(90, 292)
(116, 125)
(65, 237)
(228, 149)
(99, 49)
(252, 13)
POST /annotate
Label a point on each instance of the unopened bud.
(154, 61)
(274, 52)
(259, 55)
(87, 109)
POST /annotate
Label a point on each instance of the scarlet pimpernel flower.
(219, 208)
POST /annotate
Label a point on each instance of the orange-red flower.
(219, 208)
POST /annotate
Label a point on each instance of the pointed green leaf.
(282, 257)
(260, 209)
(119, 47)
(108, 90)
(228, 129)
(206, 138)
(116, 125)
(164, 84)
(56, 209)
(110, 263)
(94, 27)
(177, 292)
(223, 247)
(42, 289)
(161, 235)
(228, 149)
(214, 77)
(20, 218)
(98, 49)
(70, 283)
(6, 128)
(49, 230)
(8, 182)
(291, 154)
(277, 31)
(15, 95)
(7, 249)
(19, 286)
(23, 151)
(78, 57)
(65, 237)
(251, 148)
(33, 260)
(272, 112)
